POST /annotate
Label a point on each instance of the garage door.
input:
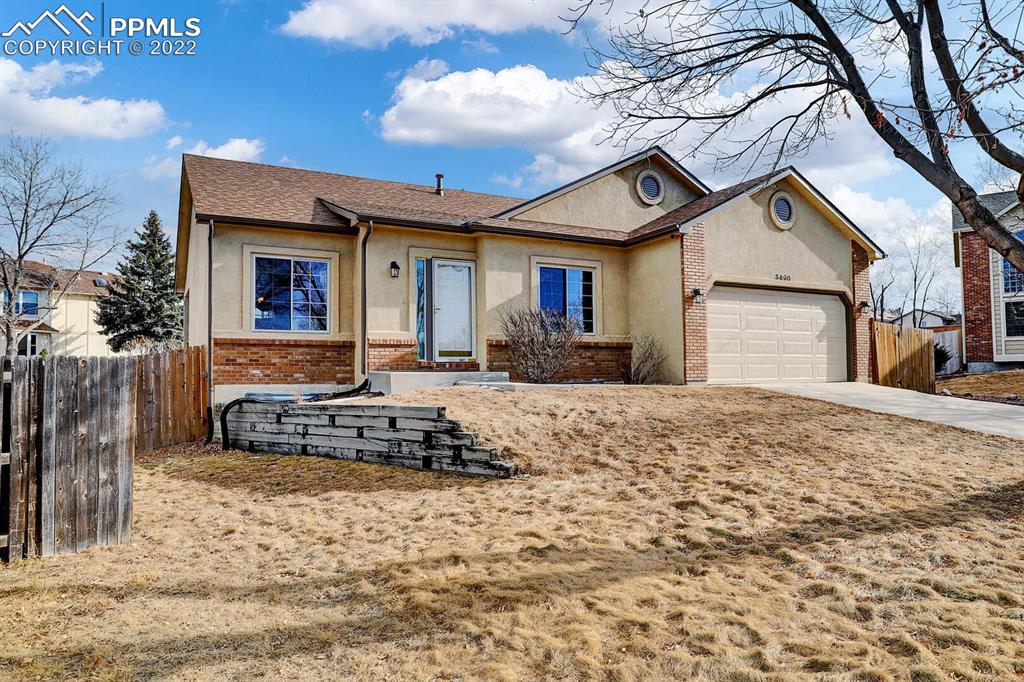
(757, 335)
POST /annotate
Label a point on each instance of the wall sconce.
(698, 295)
(863, 305)
(395, 269)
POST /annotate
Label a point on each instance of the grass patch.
(662, 533)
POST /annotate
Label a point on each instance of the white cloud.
(518, 106)
(427, 69)
(174, 142)
(522, 106)
(236, 148)
(480, 45)
(377, 24)
(29, 109)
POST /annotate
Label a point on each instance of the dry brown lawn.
(663, 533)
(992, 385)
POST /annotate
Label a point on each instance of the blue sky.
(391, 89)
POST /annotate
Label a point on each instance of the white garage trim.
(770, 335)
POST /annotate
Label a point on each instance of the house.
(993, 290)
(301, 278)
(68, 325)
(926, 319)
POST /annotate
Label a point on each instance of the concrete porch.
(388, 382)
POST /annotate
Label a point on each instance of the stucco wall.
(233, 247)
(744, 246)
(388, 299)
(197, 286)
(78, 333)
(611, 202)
(510, 280)
(655, 306)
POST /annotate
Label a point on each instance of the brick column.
(694, 270)
(861, 335)
(977, 283)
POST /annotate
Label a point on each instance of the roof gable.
(656, 152)
(703, 207)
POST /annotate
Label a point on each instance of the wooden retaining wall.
(416, 437)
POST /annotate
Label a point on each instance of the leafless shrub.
(541, 343)
(648, 359)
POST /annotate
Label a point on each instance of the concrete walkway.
(974, 415)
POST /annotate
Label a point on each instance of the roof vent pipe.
(439, 190)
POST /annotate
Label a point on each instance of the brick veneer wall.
(861, 335)
(694, 270)
(977, 285)
(283, 361)
(397, 355)
(602, 360)
(400, 355)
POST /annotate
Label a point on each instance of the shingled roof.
(238, 189)
(41, 276)
(699, 206)
(997, 202)
(254, 193)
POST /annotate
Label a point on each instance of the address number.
(784, 278)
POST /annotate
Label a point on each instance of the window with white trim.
(27, 303)
(1014, 311)
(29, 345)
(1013, 279)
(568, 291)
(290, 294)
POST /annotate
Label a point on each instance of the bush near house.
(542, 343)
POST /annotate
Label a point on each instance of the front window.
(1013, 279)
(569, 292)
(290, 294)
(27, 304)
(1014, 318)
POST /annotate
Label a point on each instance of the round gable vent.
(782, 210)
(650, 187)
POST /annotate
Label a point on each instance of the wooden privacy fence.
(71, 428)
(902, 357)
(69, 441)
(173, 397)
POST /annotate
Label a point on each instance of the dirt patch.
(1002, 387)
(664, 533)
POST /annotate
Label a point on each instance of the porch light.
(698, 295)
(395, 269)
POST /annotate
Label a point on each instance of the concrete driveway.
(974, 415)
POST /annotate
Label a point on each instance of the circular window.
(782, 210)
(650, 187)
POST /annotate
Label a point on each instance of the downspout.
(364, 341)
(209, 323)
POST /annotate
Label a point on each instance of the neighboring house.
(303, 278)
(993, 290)
(926, 319)
(69, 327)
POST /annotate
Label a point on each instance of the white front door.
(454, 310)
(764, 336)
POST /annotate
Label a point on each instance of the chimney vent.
(439, 190)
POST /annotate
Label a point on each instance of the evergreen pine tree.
(142, 306)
